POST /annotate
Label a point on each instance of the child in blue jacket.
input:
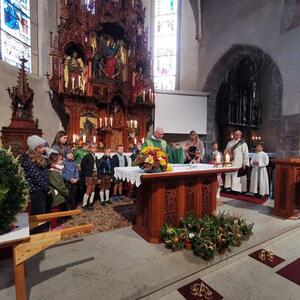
(70, 174)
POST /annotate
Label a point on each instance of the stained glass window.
(15, 31)
(165, 44)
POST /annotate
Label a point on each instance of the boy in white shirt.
(259, 183)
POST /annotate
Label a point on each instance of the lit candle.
(111, 122)
(135, 122)
(100, 122)
(143, 140)
(79, 77)
(218, 158)
(105, 122)
(253, 138)
(74, 138)
(84, 138)
(227, 158)
(134, 141)
(144, 95)
(94, 139)
(131, 123)
(73, 81)
(259, 138)
(83, 85)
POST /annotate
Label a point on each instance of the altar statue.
(138, 84)
(112, 66)
(73, 72)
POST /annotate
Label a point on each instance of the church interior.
(149, 149)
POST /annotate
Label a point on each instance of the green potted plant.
(172, 237)
(14, 191)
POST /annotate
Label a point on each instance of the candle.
(100, 122)
(73, 80)
(105, 122)
(144, 95)
(218, 158)
(259, 138)
(74, 138)
(150, 95)
(134, 141)
(253, 138)
(143, 140)
(131, 123)
(84, 138)
(227, 158)
(94, 139)
(135, 122)
(111, 122)
(83, 85)
(79, 77)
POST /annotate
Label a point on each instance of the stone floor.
(118, 264)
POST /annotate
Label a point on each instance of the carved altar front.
(101, 82)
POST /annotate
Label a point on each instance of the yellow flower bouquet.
(152, 159)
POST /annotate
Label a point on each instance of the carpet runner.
(242, 197)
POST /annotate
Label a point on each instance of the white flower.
(191, 235)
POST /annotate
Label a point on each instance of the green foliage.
(209, 235)
(14, 192)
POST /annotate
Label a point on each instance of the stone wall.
(253, 23)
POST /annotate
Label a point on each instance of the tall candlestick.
(111, 122)
(84, 138)
(79, 77)
(143, 140)
(134, 141)
(94, 139)
(131, 123)
(74, 138)
(135, 123)
(105, 122)
(100, 122)
(144, 95)
(227, 158)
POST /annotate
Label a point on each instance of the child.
(197, 158)
(59, 192)
(259, 174)
(60, 143)
(89, 172)
(118, 160)
(104, 168)
(34, 164)
(211, 158)
(70, 174)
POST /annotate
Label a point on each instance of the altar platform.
(119, 264)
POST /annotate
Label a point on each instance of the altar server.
(259, 176)
(238, 150)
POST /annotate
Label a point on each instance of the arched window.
(165, 44)
(15, 31)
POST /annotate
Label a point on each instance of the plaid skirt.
(92, 180)
(105, 181)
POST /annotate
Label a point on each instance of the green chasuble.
(176, 156)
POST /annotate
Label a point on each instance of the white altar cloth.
(133, 174)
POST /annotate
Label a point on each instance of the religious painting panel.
(88, 127)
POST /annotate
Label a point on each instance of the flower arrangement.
(152, 159)
(208, 235)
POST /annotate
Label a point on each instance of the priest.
(175, 155)
(238, 150)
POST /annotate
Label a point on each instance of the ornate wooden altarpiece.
(22, 124)
(101, 71)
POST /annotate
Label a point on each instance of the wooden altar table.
(169, 196)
